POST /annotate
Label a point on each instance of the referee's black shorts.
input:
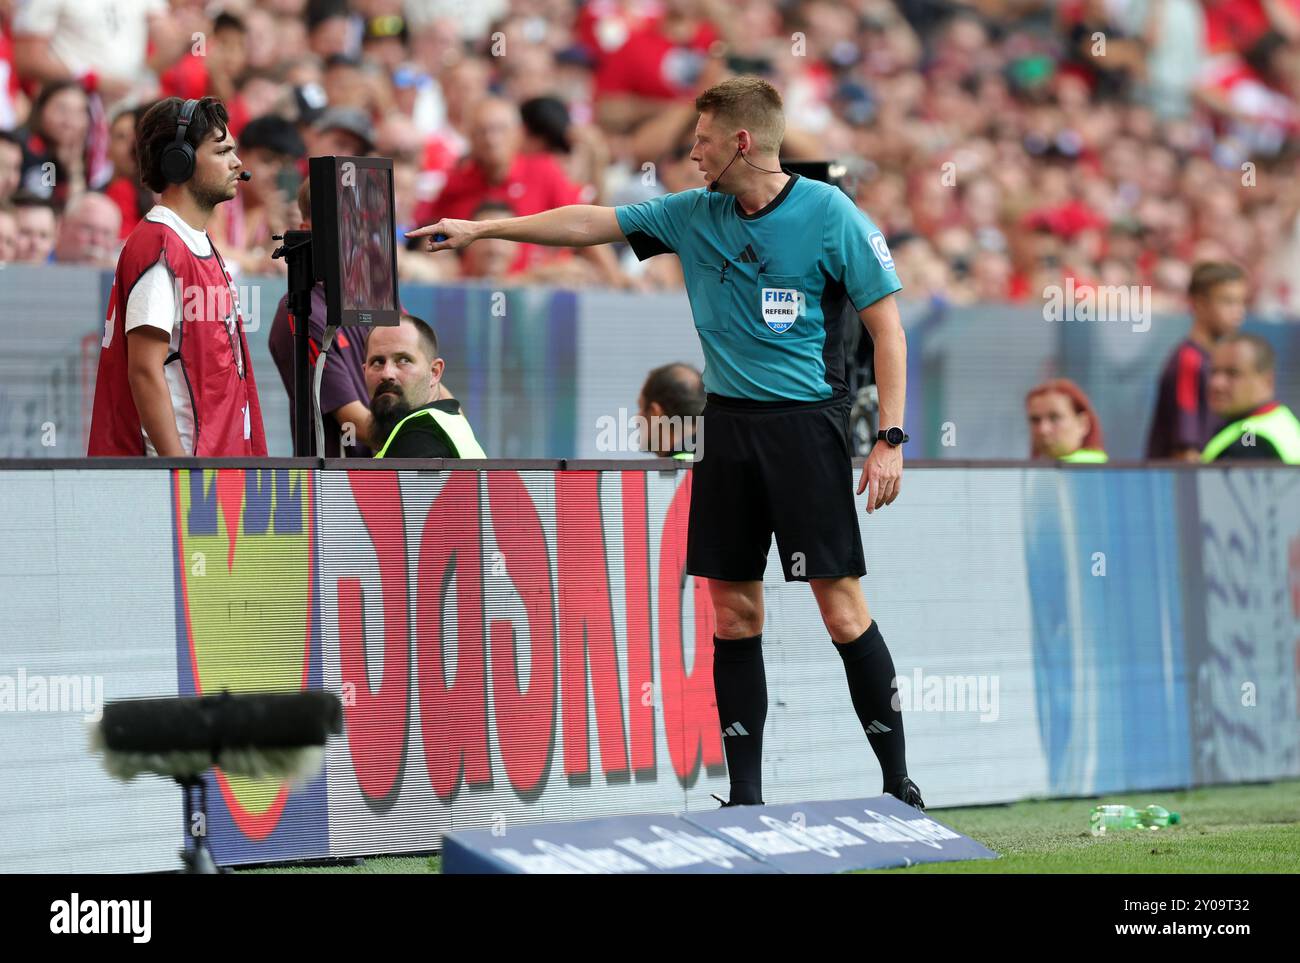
(774, 467)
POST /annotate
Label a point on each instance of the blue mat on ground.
(813, 837)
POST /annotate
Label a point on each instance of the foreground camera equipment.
(279, 735)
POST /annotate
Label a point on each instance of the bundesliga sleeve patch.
(881, 250)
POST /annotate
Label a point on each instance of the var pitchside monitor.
(354, 247)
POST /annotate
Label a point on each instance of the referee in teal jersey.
(769, 260)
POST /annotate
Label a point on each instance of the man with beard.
(413, 414)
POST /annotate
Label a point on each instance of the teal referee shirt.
(768, 289)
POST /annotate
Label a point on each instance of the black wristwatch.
(893, 436)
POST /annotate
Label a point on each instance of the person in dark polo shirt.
(1183, 422)
(344, 398)
(413, 414)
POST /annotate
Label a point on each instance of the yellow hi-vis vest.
(1278, 427)
(455, 427)
(1086, 456)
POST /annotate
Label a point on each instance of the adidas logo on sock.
(735, 729)
(747, 256)
(878, 727)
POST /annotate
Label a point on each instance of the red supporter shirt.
(603, 26)
(188, 79)
(1260, 104)
(123, 193)
(651, 65)
(439, 159)
(8, 81)
(535, 183)
(1066, 220)
(1018, 287)
(1234, 25)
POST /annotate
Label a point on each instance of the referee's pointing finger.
(442, 236)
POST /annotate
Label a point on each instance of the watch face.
(894, 436)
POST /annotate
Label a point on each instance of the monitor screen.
(354, 241)
(366, 241)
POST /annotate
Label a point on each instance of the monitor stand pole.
(296, 251)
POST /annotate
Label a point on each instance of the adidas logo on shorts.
(735, 729)
(878, 727)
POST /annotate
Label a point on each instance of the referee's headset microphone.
(713, 185)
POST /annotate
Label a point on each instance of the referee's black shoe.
(909, 793)
(725, 804)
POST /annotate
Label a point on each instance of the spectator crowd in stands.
(1002, 145)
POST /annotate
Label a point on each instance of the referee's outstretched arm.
(575, 225)
(883, 471)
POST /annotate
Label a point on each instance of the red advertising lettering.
(690, 708)
(642, 698)
(453, 716)
(586, 627)
(525, 720)
(376, 721)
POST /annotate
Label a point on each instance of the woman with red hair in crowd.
(1062, 423)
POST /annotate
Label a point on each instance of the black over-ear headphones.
(178, 156)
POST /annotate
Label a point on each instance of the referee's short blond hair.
(750, 103)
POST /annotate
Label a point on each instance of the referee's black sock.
(870, 670)
(741, 687)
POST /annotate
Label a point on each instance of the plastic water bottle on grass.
(1152, 817)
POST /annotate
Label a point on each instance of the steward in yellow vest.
(1086, 456)
(1269, 432)
(1242, 394)
(439, 430)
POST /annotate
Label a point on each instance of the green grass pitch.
(1225, 829)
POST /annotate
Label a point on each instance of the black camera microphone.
(245, 175)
